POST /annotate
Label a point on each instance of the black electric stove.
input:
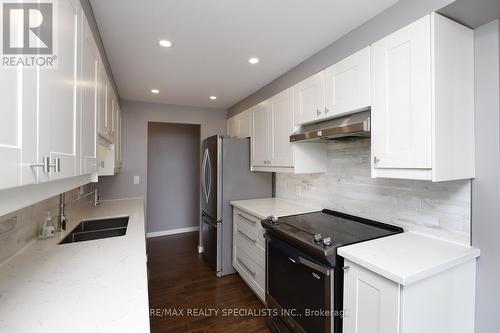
(304, 274)
(320, 234)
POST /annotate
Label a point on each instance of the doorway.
(173, 178)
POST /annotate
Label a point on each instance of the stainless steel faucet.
(61, 218)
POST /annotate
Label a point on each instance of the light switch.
(136, 180)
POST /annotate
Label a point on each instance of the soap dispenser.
(48, 228)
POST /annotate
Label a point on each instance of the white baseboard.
(171, 232)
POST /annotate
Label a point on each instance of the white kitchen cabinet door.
(371, 302)
(87, 90)
(57, 112)
(309, 99)
(232, 124)
(18, 128)
(112, 114)
(261, 118)
(102, 95)
(281, 154)
(401, 98)
(347, 85)
(244, 124)
(118, 139)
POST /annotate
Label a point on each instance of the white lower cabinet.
(440, 303)
(249, 251)
(371, 302)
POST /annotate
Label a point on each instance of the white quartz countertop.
(92, 286)
(262, 208)
(408, 257)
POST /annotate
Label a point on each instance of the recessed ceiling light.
(253, 61)
(213, 97)
(155, 91)
(165, 43)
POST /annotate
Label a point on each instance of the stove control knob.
(318, 238)
(273, 219)
(327, 241)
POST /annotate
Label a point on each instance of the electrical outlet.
(136, 180)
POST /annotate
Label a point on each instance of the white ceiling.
(213, 40)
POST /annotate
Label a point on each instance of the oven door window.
(298, 287)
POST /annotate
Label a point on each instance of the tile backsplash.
(19, 228)
(438, 209)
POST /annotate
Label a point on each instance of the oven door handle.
(314, 266)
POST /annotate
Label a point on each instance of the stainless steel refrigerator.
(226, 176)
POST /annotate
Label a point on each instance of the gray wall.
(136, 116)
(173, 176)
(390, 20)
(486, 185)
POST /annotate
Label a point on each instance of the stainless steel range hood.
(354, 125)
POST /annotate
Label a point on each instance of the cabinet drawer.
(252, 239)
(250, 265)
(247, 221)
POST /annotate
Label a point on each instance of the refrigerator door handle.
(209, 188)
(204, 175)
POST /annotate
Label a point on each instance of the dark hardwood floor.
(179, 280)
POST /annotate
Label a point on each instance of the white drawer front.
(249, 227)
(250, 268)
(251, 237)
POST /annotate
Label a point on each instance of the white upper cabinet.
(239, 125)
(272, 125)
(244, 125)
(281, 149)
(107, 106)
(88, 96)
(347, 85)
(18, 128)
(231, 126)
(57, 112)
(50, 115)
(422, 96)
(339, 90)
(261, 117)
(309, 99)
(401, 110)
(103, 127)
(118, 139)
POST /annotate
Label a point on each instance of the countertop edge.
(417, 276)
(306, 209)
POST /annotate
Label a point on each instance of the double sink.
(97, 229)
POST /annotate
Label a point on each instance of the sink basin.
(97, 229)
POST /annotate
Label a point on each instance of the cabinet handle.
(45, 164)
(327, 110)
(375, 160)
(247, 237)
(246, 219)
(246, 267)
(318, 112)
(56, 165)
(345, 268)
